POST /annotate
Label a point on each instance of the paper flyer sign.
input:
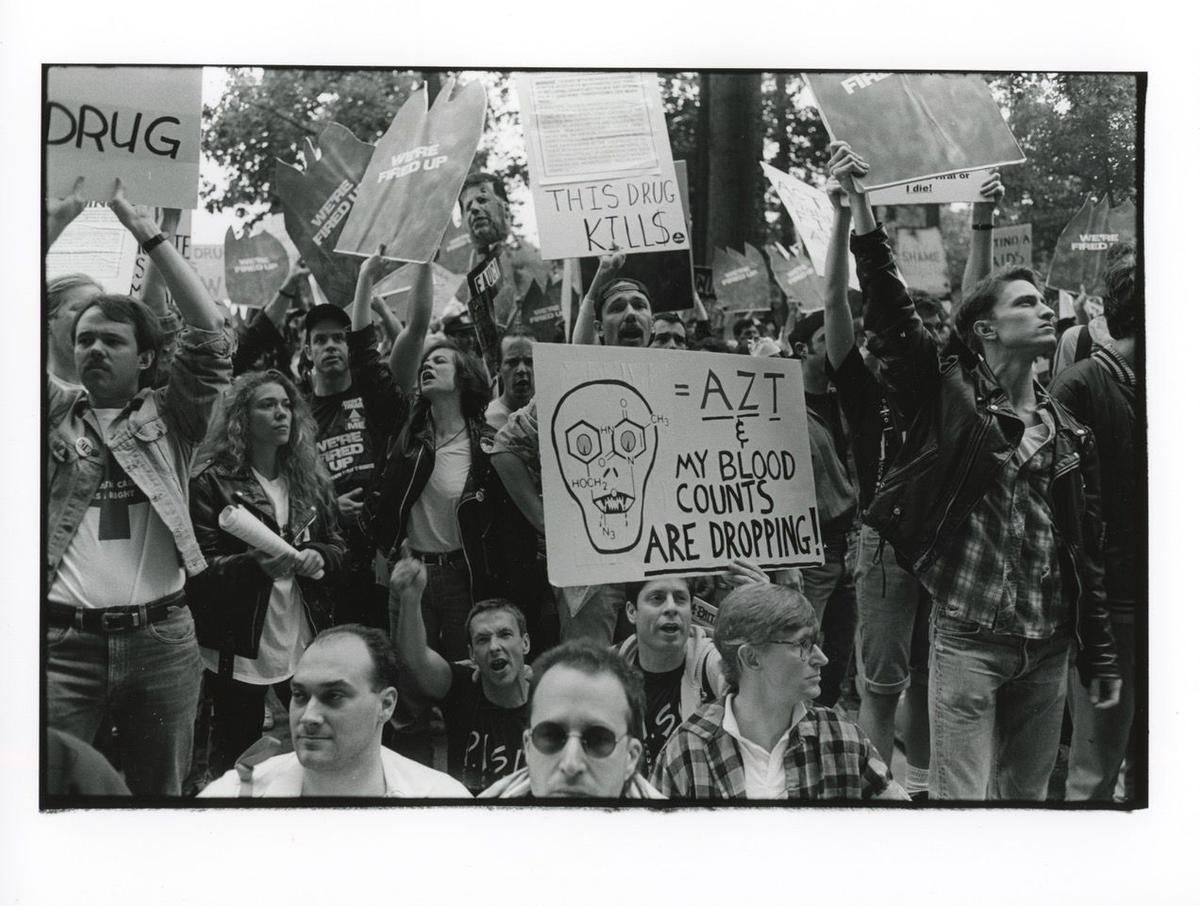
(208, 260)
(600, 165)
(945, 189)
(96, 244)
(136, 123)
(482, 283)
(316, 201)
(418, 168)
(255, 268)
(1012, 246)
(812, 216)
(655, 463)
(1081, 253)
(797, 277)
(740, 279)
(921, 258)
(913, 126)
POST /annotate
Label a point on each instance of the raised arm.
(405, 588)
(287, 296)
(391, 324)
(406, 351)
(839, 323)
(61, 211)
(979, 256)
(154, 287)
(585, 324)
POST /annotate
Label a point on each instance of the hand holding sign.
(61, 211)
(412, 182)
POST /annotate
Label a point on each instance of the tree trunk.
(734, 121)
(783, 156)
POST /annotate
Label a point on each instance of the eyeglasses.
(803, 647)
(597, 741)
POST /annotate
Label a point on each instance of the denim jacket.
(153, 439)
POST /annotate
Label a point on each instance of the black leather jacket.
(961, 432)
(229, 600)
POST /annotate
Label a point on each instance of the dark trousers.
(830, 590)
(237, 717)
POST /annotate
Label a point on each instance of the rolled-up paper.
(244, 527)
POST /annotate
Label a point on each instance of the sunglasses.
(597, 741)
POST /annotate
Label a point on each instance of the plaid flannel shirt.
(1004, 573)
(827, 757)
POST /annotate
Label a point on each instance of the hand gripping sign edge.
(587, 458)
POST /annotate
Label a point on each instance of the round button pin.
(84, 446)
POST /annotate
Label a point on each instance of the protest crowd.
(353, 513)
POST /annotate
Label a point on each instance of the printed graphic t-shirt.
(662, 710)
(483, 740)
(343, 439)
(123, 553)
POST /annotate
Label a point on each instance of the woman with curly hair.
(256, 613)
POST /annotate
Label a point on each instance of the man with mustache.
(119, 541)
(483, 701)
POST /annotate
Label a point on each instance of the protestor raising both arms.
(343, 694)
(765, 739)
(254, 612)
(989, 505)
(482, 700)
(119, 542)
(586, 714)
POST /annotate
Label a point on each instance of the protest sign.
(797, 277)
(1012, 246)
(414, 176)
(95, 243)
(812, 216)
(921, 259)
(139, 125)
(600, 164)
(913, 126)
(255, 268)
(703, 278)
(1081, 255)
(316, 201)
(209, 262)
(541, 310)
(740, 279)
(659, 464)
(396, 290)
(482, 282)
(455, 251)
(945, 189)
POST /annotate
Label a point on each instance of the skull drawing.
(605, 442)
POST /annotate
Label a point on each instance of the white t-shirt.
(765, 774)
(123, 553)
(433, 521)
(285, 632)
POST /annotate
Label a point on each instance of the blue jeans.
(995, 711)
(1099, 738)
(147, 679)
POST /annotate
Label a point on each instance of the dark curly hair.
(471, 380)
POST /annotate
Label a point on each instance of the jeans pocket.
(952, 626)
(177, 629)
(56, 633)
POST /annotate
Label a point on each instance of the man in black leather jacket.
(994, 503)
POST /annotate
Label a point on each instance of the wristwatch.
(153, 242)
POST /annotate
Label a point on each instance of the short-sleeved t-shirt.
(343, 440)
(484, 740)
(662, 710)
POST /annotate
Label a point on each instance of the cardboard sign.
(921, 259)
(541, 310)
(655, 463)
(741, 279)
(455, 252)
(812, 216)
(945, 189)
(703, 277)
(1082, 251)
(600, 164)
(1012, 246)
(913, 126)
(797, 277)
(482, 283)
(139, 124)
(255, 268)
(208, 260)
(316, 201)
(415, 174)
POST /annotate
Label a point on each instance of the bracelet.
(981, 226)
(153, 242)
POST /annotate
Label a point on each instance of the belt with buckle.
(113, 619)
(449, 558)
